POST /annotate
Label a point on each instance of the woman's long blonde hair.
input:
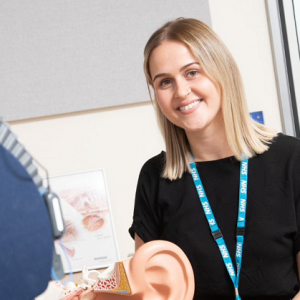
(245, 136)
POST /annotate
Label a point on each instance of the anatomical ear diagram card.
(89, 239)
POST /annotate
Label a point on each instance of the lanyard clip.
(240, 231)
(217, 234)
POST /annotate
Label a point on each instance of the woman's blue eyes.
(167, 81)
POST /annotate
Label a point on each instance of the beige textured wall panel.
(64, 56)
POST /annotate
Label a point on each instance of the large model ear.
(160, 270)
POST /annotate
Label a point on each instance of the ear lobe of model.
(162, 270)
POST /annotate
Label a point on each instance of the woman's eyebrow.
(160, 75)
(181, 69)
(184, 67)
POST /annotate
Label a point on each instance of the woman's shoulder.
(285, 142)
(155, 164)
(284, 146)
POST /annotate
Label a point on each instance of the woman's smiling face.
(185, 95)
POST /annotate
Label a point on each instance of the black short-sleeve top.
(171, 210)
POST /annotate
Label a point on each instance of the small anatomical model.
(158, 270)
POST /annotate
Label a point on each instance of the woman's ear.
(160, 270)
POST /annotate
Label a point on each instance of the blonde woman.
(227, 189)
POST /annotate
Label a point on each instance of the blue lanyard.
(241, 222)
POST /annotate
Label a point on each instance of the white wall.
(123, 138)
(242, 25)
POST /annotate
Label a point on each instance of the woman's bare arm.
(138, 242)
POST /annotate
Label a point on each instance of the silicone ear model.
(158, 270)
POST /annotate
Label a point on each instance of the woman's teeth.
(184, 108)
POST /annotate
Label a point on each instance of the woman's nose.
(182, 90)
